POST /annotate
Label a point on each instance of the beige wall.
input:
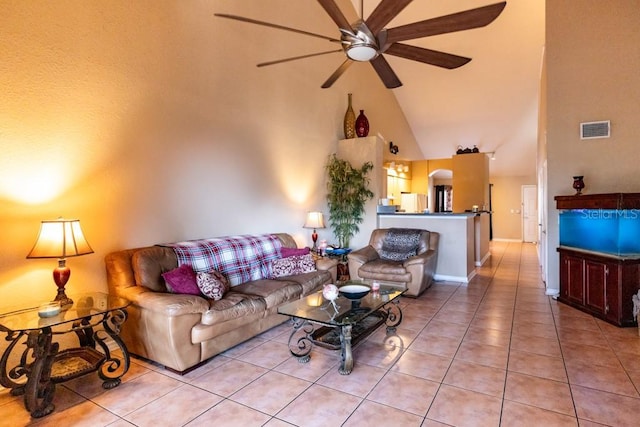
(506, 199)
(592, 65)
(470, 181)
(149, 121)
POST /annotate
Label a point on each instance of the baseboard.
(551, 291)
(483, 260)
(459, 279)
(496, 239)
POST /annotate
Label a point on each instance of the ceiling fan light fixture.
(362, 52)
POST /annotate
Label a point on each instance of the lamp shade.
(314, 220)
(60, 238)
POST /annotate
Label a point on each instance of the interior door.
(529, 213)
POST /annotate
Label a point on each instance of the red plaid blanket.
(239, 258)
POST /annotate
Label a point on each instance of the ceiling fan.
(367, 40)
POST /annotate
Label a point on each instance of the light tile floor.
(495, 352)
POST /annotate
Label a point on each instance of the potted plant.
(348, 192)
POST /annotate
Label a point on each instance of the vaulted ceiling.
(492, 101)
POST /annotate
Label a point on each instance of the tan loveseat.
(415, 273)
(182, 331)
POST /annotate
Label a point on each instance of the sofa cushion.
(181, 280)
(295, 264)
(382, 266)
(310, 282)
(273, 292)
(149, 263)
(232, 306)
(212, 284)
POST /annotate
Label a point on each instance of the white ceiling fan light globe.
(359, 44)
(362, 52)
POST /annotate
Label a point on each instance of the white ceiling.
(492, 101)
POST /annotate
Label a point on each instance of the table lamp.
(314, 220)
(60, 238)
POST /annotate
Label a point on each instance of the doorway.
(529, 214)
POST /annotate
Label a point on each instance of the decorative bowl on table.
(354, 292)
(337, 251)
(49, 309)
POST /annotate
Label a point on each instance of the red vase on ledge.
(362, 125)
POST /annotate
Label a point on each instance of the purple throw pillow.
(182, 280)
(287, 252)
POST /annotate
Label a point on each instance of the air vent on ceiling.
(591, 130)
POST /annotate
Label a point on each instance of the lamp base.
(63, 299)
(314, 238)
(61, 276)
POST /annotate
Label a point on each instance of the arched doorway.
(441, 190)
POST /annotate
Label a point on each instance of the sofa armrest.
(422, 258)
(326, 263)
(357, 259)
(171, 305)
(330, 265)
(364, 255)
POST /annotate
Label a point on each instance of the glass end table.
(95, 318)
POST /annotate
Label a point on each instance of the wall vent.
(592, 130)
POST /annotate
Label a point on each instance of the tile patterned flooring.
(495, 352)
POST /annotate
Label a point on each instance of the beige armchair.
(406, 257)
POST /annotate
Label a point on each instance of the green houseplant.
(347, 193)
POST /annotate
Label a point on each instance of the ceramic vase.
(362, 125)
(349, 122)
(578, 184)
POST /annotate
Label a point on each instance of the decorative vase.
(578, 184)
(349, 122)
(362, 125)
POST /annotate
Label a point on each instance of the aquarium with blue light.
(611, 231)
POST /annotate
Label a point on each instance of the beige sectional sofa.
(182, 331)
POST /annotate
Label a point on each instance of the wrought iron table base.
(303, 336)
(43, 365)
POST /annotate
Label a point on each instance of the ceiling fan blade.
(279, 27)
(385, 72)
(336, 74)
(428, 56)
(384, 13)
(466, 20)
(278, 61)
(335, 13)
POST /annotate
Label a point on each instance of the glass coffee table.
(343, 324)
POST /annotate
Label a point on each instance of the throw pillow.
(181, 280)
(400, 244)
(296, 264)
(287, 252)
(212, 284)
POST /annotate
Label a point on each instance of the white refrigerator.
(413, 202)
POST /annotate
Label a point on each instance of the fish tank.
(611, 231)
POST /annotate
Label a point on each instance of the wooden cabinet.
(602, 285)
(572, 275)
(599, 201)
(600, 254)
